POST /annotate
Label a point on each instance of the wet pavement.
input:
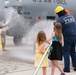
(19, 60)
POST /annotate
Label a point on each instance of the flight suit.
(3, 41)
(2, 37)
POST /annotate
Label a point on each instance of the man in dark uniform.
(69, 33)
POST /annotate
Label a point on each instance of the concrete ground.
(19, 60)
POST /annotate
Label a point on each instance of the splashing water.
(16, 23)
(22, 27)
(46, 26)
(12, 17)
(9, 14)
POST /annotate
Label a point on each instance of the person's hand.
(5, 28)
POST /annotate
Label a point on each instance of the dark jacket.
(68, 25)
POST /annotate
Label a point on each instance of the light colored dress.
(38, 57)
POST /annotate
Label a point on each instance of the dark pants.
(69, 50)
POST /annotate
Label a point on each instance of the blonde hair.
(58, 30)
(41, 37)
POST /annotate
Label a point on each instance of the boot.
(74, 68)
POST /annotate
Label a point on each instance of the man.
(2, 35)
(69, 33)
(38, 19)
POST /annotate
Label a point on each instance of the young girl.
(40, 49)
(57, 43)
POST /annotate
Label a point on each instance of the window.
(19, 9)
(50, 17)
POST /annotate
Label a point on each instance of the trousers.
(3, 39)
(69, 50)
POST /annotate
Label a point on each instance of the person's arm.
(5, 28)
(50, 38)
(62, 41)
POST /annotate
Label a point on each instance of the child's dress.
(56, 53)
(38, 57)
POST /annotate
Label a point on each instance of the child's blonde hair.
(58, 32)
(41, 37)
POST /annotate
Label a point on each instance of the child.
(40, 49)
(57, 43)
